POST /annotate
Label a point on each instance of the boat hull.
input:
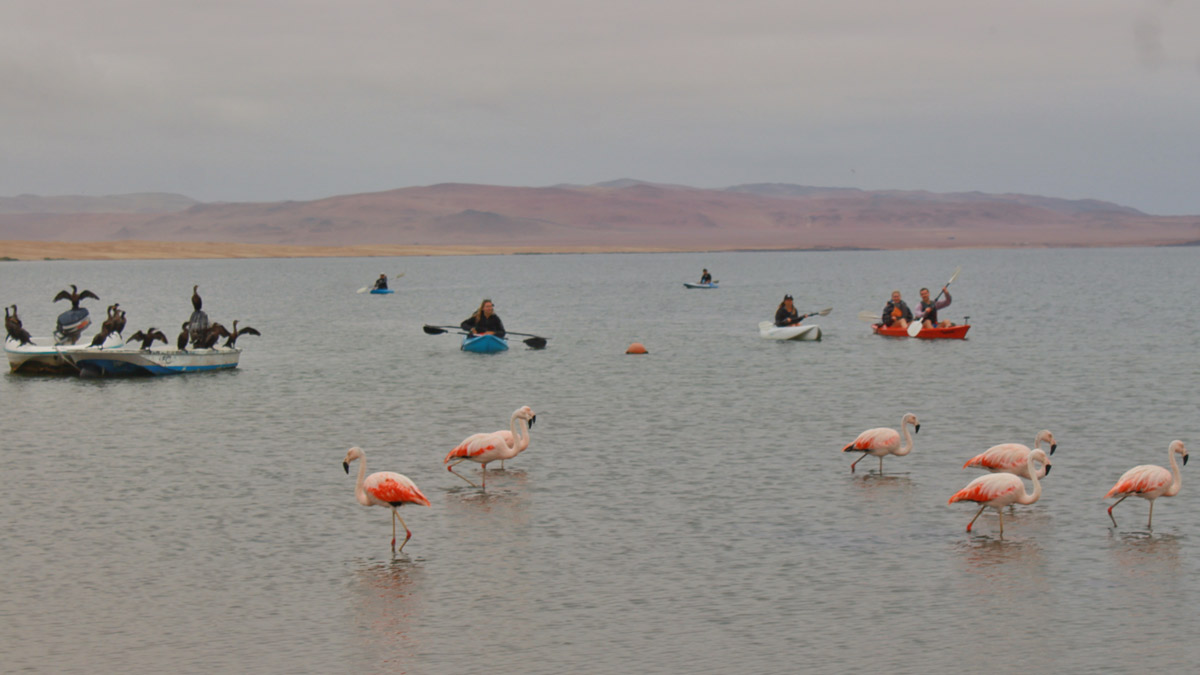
(128, 361)
(43, 357)
(484, 344)
(950, 333)
(702, 286)
(770, 331)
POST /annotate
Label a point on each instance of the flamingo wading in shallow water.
(884, 441)
(496, 445)
(1012, 457)
(1150, 481)
(998, 490)
(384, 488)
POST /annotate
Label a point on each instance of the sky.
(265, 100)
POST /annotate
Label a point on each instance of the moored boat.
(484, 344)
(948, 333)
(44, 357)
(165, 361)
(770, 331)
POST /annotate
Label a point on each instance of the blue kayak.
(484, 344)
(381, 291)
(687, 285)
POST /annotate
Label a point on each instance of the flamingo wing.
(988, 489)
(882, 438)
(394, 488)
(1140, 480)
(478, 444)
(1009, 458)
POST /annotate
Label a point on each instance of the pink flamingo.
(884, 441)
(998, 490)
(384, 488)
(1012, 457)
(1150, 481)
(521, 442)
(496, 445)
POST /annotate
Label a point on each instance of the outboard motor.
(71, 325)
(197, 326)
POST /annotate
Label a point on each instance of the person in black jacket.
(381, 282)
(484, 321)
(786, 314)
(896, 313)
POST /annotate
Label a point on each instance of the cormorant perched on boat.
(75, 295)
(196, 301)
(148, 337)
(233, 334)
(16, 331)
(101, 336)
(115, 323)
(215, 332)
(182, 340)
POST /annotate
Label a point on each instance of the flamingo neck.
(1030, 498)
(520, 432)
(908, 441)
(1177, 481)
(360, 493)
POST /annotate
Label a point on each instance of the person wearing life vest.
(896, 313)
(928, 313)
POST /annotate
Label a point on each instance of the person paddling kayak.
(484, 321)
(786, 314)
(896, 313)
(928, 314)
(705, 277)
(381, 283)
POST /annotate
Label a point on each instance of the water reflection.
(993, 565)
(388, 605)
(1145, 554)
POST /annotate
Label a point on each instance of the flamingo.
(884, 441)
(998, 490)
(384, 488)
(496, 445)
(1012, 457)
(1150, 481)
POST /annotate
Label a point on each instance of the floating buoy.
(637, 348)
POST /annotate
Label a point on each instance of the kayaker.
(896, 313)
(484, 321)
(927, 314)
(786, 314)
(705, 277)
(381, 283)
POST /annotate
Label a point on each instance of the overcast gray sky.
(231, 100)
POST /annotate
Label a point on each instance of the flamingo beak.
(917, 429)
(534, 419)
(1185, 460)
(1053, 447)
(346, 466)
(1047, 469)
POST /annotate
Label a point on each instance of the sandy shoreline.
(156, 250)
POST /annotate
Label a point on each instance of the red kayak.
(951, 333)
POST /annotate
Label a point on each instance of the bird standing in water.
(384, 488)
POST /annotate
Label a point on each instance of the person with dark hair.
(484, 321)
(381, 283)
(786, 314)
(928, 311)
(705, 277)
(896, 313)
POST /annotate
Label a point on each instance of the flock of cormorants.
(197, 331)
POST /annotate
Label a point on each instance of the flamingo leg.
(881, 465)
(1110, 515)
(450, 468)
(1001, 512)
(394, 530)
(484, 479)
(976, 517)
(858, 460)
(1151, 518)
(407, 532)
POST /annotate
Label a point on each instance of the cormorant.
(148, 337)
(233, 334)
(75, 295)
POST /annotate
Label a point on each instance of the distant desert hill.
(618, 215)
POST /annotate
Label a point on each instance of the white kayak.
(770, 331)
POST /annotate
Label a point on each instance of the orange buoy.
(637, 348)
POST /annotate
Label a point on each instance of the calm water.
(685, 511)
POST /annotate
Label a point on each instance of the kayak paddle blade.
(914, 328)
(432, 330)
(536, 342)
(364, 289)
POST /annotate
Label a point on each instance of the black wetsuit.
(486, 324)
(381, 283)
(706, 278)
(905, 313)
(786, 318)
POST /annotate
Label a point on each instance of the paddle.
(824, 312)
(364, 289)
(915, 326)
(534, 341)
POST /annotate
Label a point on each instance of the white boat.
(770, 331)
(153, 361)
(44, 357)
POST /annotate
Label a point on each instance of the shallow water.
(683, 511)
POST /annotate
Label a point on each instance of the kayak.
(381, 291)
(687, 285)
(484, 344)
(950, 333)
(770, 331)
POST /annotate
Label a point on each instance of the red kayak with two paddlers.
(947, 333)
